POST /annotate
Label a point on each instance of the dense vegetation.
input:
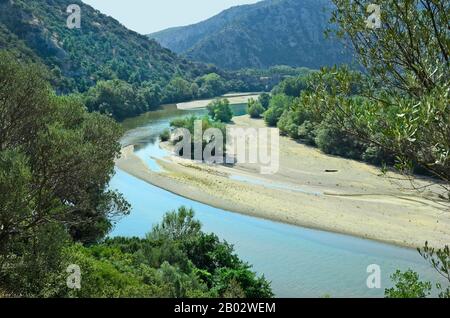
(219, 110)
(117, 71)
(292, 109)
(102, 49)
(55, 163)
(397, 111)
(406, 103)
(408, 284)
(216, 147)
(56, 160)
(175, 259)
(255, 107)
(261, 35)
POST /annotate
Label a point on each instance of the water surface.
(300, 262)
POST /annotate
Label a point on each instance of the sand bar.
(355, 199)
(238, 98)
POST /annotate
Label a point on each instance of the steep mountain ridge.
(268, 33)
(101, 49)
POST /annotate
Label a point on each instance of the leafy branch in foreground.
(408, 284)
(175, 259)
(440, 260)
(406, 95)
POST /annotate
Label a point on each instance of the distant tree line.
(121, 99)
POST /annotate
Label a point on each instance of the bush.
(377, 156)
(254, 108)
(278, 104)
(408, 285)
(334, 141)
(264, 100)
(206, 122)
(307, 132)
(292, 86)
(220, 110)
(165, 135)
(116, 98)
(287, 124)
(210, 85)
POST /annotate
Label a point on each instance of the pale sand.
(238, 98)
(356, 200)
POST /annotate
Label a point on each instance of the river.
(299, 262)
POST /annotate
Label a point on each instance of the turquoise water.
(300, 262)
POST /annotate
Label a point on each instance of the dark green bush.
(220, 110)
(254, 108)
(278, 104)
(165, 135)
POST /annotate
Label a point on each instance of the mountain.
(268, 33)
(101, 49)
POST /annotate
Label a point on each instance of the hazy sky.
(147, 16)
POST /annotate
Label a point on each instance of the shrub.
(278, 104)
(287, 124)
(408, 285)
(220, 110)
(335, 141)
(165, 135)
(307, 132)
(264, 100)
(254, 108)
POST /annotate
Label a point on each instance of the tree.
(151, 94)
(264, 99)
(211, 85)
(440, 260)
(291, 86)
(177, 225)
(206, 122)
(178, 90)
(254, 108)
(252, 286)
(56, 161)
(405, 111)
(220, 110)
(117, 98)
(208, 253)
(408, 285)
(405, 96)
(278, 104)
(409, 52)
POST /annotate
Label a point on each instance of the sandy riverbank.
(354, 200)
(238, 98)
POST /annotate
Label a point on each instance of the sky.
(147, 16)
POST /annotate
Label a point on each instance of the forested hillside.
(268, 33)
(102, 49)
(119, 72)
